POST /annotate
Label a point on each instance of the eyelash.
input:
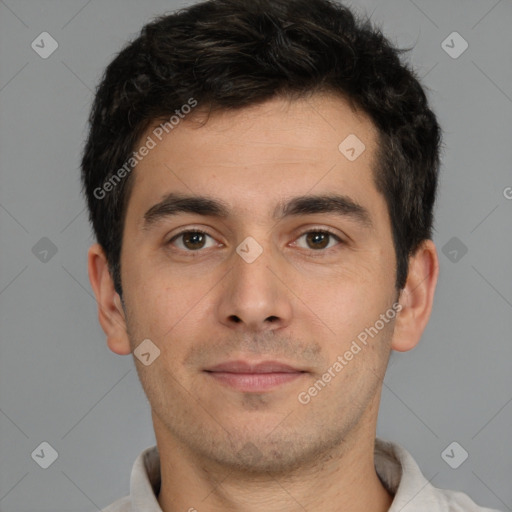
(322, 231)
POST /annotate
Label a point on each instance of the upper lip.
(247, 367)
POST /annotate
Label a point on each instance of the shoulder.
(412, 492)
(120, 505)
(455, 501)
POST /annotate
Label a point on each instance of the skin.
(225, 449)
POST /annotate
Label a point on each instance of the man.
(260, 177)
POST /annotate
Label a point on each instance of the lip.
(253, 377)
(247, 367)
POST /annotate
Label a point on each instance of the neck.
(343, 479)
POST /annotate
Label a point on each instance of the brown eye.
(190, 240)
(317, 240)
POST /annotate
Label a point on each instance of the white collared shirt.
(394, 465)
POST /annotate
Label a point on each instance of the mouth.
(254, 377)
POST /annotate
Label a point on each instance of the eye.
(319, 239)
(195, 240)
(191, 240)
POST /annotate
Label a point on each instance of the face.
(258, 300)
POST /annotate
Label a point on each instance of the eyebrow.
(341, 205)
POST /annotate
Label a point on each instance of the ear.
(110, 310)
(416, 297)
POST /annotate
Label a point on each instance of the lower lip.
(254, 382)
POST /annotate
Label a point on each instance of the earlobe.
(417, 297)
(110, 310)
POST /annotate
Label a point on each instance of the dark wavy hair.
(231, 54)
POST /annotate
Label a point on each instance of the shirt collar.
(403, 478)
(145, 481)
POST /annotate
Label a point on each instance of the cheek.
(152, 304)
(169, 309)
(350, 311)
(347, 300)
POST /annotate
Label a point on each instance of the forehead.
(254, 157)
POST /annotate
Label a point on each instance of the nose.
(254, 295)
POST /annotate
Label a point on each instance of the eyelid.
(321, 229)
(189, 230)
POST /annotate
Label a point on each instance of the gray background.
(59, 383)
